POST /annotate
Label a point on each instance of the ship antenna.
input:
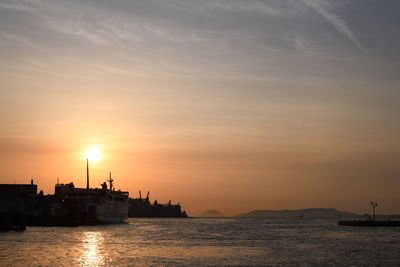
(111, 180)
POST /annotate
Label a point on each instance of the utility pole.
(373, 204)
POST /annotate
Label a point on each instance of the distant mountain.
(211, 213)
(315, 213)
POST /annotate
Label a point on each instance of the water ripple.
(221, 242)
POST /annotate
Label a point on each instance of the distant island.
(320, 213)
(211, 214)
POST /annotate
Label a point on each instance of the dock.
(369, 223)
(16, 205)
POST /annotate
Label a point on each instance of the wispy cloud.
(337, 22)
(258, 6)
(232, 39)
(250, 6)
(14, 39)
(15, 6)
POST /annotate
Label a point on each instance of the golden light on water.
(92, 254)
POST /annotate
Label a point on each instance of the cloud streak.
(337, 22)
(15, 6)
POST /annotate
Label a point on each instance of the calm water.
(203, 242)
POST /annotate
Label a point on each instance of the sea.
(203, 242)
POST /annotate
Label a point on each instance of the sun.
(93, 153)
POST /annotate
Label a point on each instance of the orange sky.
(216, 105)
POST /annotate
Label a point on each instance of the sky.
(232, 105)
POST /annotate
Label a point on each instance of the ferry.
(103, 205)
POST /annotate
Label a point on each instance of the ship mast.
(87, 173)
(110, 180)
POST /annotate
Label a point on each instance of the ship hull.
(83, 207)
(111, 212)
(110, 220)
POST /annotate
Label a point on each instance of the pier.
(370, 222)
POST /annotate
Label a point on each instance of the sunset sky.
(232, 105)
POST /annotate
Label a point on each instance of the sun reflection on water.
(92, 250)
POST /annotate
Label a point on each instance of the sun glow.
(93, 154)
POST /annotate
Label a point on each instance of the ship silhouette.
(21, 205)
(71, 206)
